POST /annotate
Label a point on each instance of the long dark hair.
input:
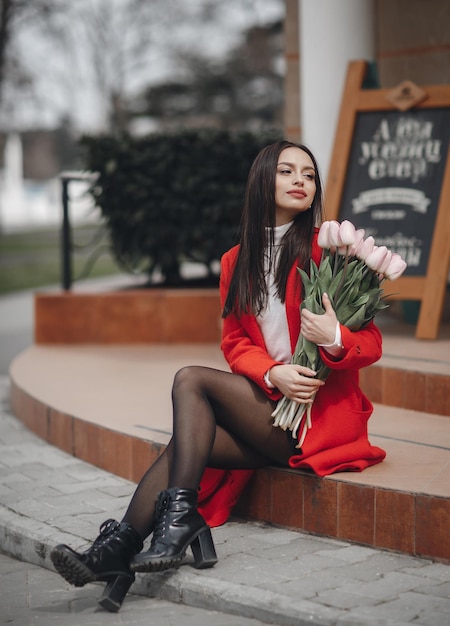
(248, 291)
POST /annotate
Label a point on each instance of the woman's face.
(295, 184)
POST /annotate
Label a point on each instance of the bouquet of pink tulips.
(351, 272)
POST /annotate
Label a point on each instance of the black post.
(66, 243)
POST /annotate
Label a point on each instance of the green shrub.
(172, 198)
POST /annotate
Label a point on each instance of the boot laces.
(162, 508)
(107, 533)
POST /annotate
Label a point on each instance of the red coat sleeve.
(242, 341)
(361, 349)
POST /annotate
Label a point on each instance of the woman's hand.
(295, 382)
(320, 329)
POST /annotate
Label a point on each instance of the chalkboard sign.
(394, 179)
(390, 174)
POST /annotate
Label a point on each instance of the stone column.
(11, 188)
(332, 33)
(292, 113)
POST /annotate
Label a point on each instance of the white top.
(273, 321)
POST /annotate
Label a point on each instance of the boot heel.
(115, 592)
(203, 550)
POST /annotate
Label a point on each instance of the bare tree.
(95, 47)
(109, 44)
(97, 55)
(242, 91)
(15, 15)
(5, 8)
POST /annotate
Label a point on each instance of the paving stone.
(413, 608)
(386, 588)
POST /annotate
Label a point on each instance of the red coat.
(338, 438)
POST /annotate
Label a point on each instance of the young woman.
(222, 424)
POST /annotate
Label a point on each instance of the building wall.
(413, 41)
(408, 40)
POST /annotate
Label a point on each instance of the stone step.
(110, 406)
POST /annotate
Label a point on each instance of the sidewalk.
(269, 574)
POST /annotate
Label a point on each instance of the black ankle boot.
(177, 526)
(108, 559)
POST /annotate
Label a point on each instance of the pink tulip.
(365, 248)
(323, 239)
(333, 235)
(376, 258)
(347, 233)
(396, 267)
(359, 238)
(387, 260)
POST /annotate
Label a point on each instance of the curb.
(26, 540)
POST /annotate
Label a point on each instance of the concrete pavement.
(34, 596)
(16, 326)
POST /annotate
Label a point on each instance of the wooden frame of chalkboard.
(390, 174)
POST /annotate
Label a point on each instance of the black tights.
(220, 420)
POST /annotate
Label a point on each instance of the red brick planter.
(132, 316)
